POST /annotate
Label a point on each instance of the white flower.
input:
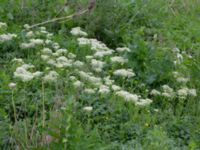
(88, 108)
(23, 74)
(103, 89)
(49, 35)
(89, 91)
(52, 76)
(128, 96)
(72, 78)
(167, 89)
(179, 58)
(78, 32)
(7, 37)
(48, 42)
(60, 52)
(98, 45)
(12, 85)
(155, 92)
(30, 34)
(97, 65)
(18, 60)
(108, 81)
(182, 93)
(88, 77)
(115, 88)
(27, 66)
(168, 95)
(43, 28)
(27, 45)
(94, 43)
(123, 49)
(56, 46)
(37, 41)
(3, 25)
(63, 62)
(77, 84)
(47, 51)
(45, 57)
(176, 50)
(83, 41)
(124, 73)
(100, 54)
(118, 59)
(26, 26)
(192, 92)
(144, 102)
(89, 58)
(182, 80)
(71, 55)
(51, 62)
(78, 64)
(37, 74)
(190, 56)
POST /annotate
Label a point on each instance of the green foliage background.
(151, 28)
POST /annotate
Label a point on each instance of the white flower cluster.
(18, 61)
(62, 62)
(3, 25)
(88, 108)
(95, 44)
(12, 85)
(123, 49)
(90, 78)
(24, 74)
(144, 102)
(7, 37)
(184, 92)
(180, 79)
(108, 81)
(52, 76)
(118, 59)
(155, 92)
(124, 73)
(179, 57)
(88, 82)
(57, 58)
(89, 91)
(129, 97)
(100, 48)
(32, 43)
(97, 65)
(168, 92)
(103, 89)
(78, 64)
(100, 51)
(78, 32)
(77, 84)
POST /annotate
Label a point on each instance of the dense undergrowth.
(127, 79)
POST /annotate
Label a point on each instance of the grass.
(57, 112)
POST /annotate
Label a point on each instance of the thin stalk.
(43, 105)
(14, 108)
(26, 128)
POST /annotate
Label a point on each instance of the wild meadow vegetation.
(122, 76)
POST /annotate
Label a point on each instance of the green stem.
(43, 105)
(14, 108)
